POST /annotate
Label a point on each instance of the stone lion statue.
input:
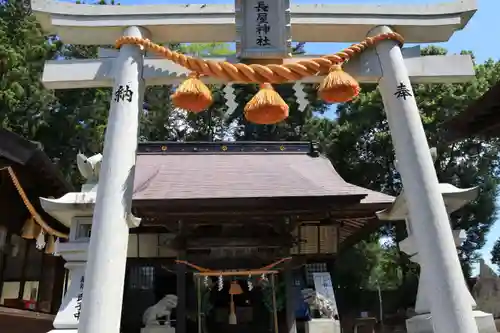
(161, 309)
(326, 308)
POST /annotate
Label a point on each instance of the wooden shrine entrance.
(236, 301)
(236, 208)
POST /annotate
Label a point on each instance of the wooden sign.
(263, 29)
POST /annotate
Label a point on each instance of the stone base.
(423, 323)
(158, 329)
(321, 325)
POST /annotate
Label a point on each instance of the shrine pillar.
(105, 272)
(180, 320)
(450, 308)
(290, 297)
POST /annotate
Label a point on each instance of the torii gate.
(386, 64)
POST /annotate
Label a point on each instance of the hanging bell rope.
(194, 96)
(233, 320)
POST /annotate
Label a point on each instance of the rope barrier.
(255, 73)
(267, 107)
(46, 228)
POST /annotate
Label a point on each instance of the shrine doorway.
(237, 307)
(236, 300)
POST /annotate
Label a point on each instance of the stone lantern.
(75, 210)
(454, 198)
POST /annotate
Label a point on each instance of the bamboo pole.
(236, 273)
(275, 311)
(198, 291)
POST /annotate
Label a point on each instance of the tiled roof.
(240, 173)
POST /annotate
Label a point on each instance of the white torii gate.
(386, 64)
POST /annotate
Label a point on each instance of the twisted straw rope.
(31, 208)
(256, 73)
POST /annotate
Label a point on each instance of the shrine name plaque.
(263, 29)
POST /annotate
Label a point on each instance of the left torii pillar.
(107, 256)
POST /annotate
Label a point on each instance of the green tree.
(66, 121)
(359, 144)
(495, 253)
(23, 50)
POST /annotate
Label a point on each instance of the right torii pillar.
(450, 308)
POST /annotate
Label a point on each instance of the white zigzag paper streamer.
(301, 96)
(230, 99)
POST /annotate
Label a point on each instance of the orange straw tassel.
(266, 107)
(192, 95)
(338, 86)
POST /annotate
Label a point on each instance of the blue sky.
(481, 36)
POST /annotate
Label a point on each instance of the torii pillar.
(107, 256)
(450, 308)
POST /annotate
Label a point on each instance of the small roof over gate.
(173, 171)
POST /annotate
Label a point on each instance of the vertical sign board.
(69, 313)
(79, 298)
(323, 286)
(263, 29)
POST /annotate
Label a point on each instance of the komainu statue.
(163, 308)
(325, 307)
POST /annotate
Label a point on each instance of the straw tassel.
(192, 95)
(338, 86)
(50, 247)
(235, 288)
(266, 107)
(31, 229)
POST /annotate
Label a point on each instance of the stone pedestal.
(323, 325)
(68, 316)
(454, 198)
(158, 329)
(423, 323)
